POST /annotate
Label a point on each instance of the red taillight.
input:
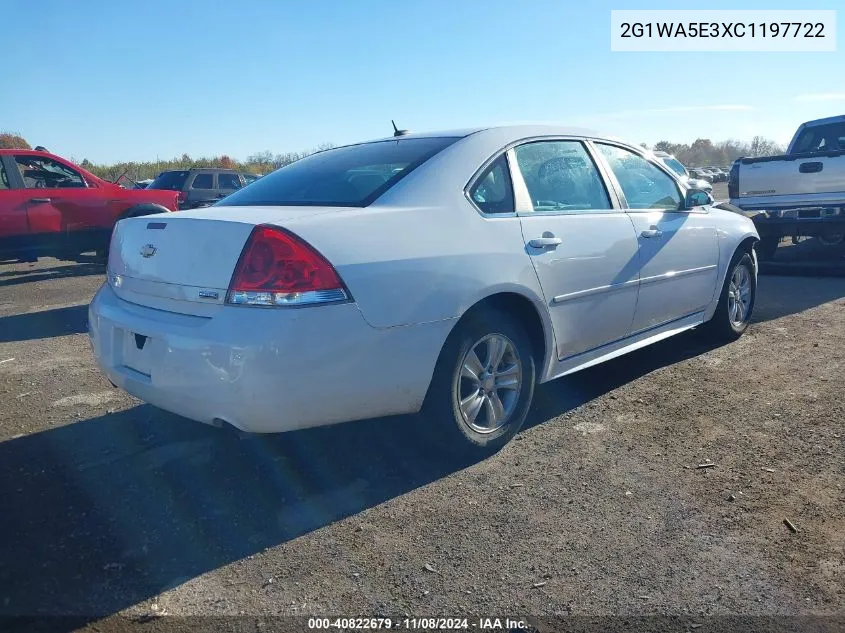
(277, 268)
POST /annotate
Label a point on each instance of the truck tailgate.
(792, 175)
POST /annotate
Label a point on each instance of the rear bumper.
(776, 227)
(789, 201)
(265, 370)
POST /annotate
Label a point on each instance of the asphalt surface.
(598, 507)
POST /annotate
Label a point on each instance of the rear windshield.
(821, 138)
(173, 180)
(347, 176)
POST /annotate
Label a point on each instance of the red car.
(51, 207)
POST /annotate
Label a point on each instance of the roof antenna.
(397, 131)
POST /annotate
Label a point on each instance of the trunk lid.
(183, 261)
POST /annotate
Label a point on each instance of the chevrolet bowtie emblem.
(148, 250)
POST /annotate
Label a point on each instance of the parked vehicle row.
(199, 187)
(77, 211)
(445, 272)
(800, 193)
(710, 174)
(678, 167)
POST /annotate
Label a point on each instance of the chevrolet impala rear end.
(447, 273)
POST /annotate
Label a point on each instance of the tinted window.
(4, 179)
(821, 138)
(561, 176)
(493, 191)
(45, 173)
(347, 176)
(203, 181)
(645, 185)
(173, 180)
(228, 181)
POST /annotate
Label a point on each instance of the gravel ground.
(598, 506)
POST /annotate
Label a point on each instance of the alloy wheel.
(489, 383)
(739, 296)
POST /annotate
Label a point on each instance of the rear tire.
(736, 303)
(483, 384)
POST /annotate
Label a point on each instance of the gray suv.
(201, 186)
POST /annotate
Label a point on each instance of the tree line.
(701, 153)
(704, 153)
(260, 163)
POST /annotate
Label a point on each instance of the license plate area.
(136, 352)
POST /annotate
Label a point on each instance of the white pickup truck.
(800, 193)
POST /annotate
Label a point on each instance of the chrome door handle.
(544, 242)
(652, 232)
(39, 200)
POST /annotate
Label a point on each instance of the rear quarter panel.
(422, 252)
(418, 264)
(167, 199)
(99, 207)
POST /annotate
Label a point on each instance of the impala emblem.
(148, 250)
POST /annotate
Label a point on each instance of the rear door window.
(203, 181)
(228, 181)
(172, 180)
(561, 176)
(355, 175)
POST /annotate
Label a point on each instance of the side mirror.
(697, 198)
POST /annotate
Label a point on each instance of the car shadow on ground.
(44, 324)
(106, 512)
(103, 513)
(25, 276)
(809, 257)
(779, 296)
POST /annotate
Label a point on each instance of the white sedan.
(445, 272)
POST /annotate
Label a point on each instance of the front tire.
(736, 303)
(483, 384)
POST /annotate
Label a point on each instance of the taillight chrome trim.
(286, 299)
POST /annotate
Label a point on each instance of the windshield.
(675, 165)
(173, 180)
(347, 176)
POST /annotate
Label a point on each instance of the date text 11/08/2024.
(418, 624)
